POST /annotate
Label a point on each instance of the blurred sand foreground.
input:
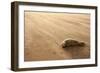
(44, 32)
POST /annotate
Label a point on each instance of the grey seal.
(72, 43)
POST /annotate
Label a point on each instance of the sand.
(44, 33)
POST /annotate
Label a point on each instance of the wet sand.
(44, 33)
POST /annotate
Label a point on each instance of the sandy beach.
(44, 33)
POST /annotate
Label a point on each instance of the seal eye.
(72, 43)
